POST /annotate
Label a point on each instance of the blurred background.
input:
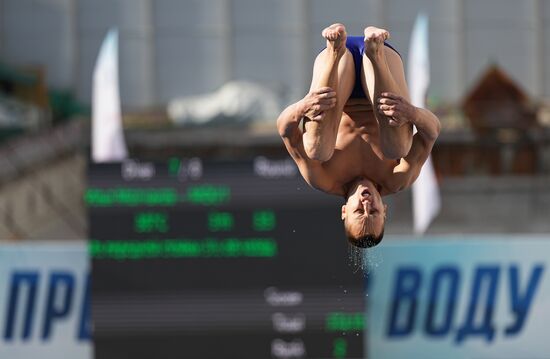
(172, 50)
(207, 79)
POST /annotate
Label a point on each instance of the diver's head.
(364, 214)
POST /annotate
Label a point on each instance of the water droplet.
(345, 291)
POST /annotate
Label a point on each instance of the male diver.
(357, 135)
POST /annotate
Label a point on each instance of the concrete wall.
(181, 47)
(46, 203)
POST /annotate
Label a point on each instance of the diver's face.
(364, 210)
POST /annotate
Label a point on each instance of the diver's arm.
(289, 119)
(288, 122)
(405, 173)
(313, 106)
(428, 126)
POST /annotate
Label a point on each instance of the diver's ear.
(385, 210)
(343, 212)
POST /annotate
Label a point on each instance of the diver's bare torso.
(357, 154)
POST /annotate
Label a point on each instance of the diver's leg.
(383, 72)
(333, 68)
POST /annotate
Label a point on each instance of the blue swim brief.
(356, 45)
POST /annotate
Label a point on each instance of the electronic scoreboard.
(197, 259)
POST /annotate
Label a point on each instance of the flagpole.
(108, 144)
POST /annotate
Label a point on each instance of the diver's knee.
(318, 153)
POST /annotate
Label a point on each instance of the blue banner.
(44, 301)
(459, 297)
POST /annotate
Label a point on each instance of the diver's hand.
(316, 102)
(399, 110)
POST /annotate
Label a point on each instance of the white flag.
(108, 143)
(426, 200)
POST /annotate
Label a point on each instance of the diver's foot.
(374, 41)
(336, 36)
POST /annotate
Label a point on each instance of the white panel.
(188, 66)
(134, 15)
(261, 43)
(502, 13)
(299, 61)
(127, 15)
(135, 77)
(258, 15)
(259, 57)
(193, 15)
(352, 13)
(298, 67)
(545, 7)
(402, 13)
(269, 39)
(292, 14)
(501, 32)
(444, 61)
(97, 15)
(189, 47)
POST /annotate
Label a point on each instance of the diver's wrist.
(301, 109)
